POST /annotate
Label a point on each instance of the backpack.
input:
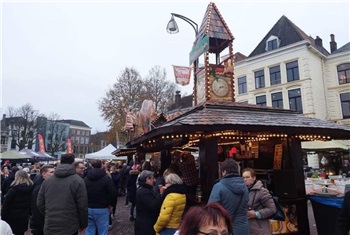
(279, 215)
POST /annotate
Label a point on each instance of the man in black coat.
(8, 181)
(102, 195)
(37, 219)
(148, 203)
(343, 221)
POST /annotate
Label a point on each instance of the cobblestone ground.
(121, 225)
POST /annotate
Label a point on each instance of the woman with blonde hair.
(16, 208)
(174, 203)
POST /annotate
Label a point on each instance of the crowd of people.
(74, 198)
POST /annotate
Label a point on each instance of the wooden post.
(208, 165)
(296, 163)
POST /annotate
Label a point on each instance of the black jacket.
(37, 219)
(343, 221)
(5, 186)
(148, 204)
(17, 202)
(100, 189)
(131, 186)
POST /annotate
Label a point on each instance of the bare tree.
(160, 90)
(125, 94)
(58, 133)
(23, 124)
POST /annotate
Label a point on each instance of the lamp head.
(172, 26)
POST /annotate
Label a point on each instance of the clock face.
(220, 87)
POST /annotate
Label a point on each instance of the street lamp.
(172, 28)
(172, 25)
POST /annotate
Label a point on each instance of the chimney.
(177, 99)
(333, 44)
(4, 117)
(318, 41)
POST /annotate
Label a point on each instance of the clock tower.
(214, 79)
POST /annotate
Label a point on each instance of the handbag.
(279, 215)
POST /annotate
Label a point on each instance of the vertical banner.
(69, 145)
(41, 143)
(182, 75)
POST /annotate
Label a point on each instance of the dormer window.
(272, 43)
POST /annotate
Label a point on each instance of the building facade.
(79, 134)
(291, 70)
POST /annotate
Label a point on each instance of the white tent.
(105, 153)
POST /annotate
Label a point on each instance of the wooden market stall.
(267, 139)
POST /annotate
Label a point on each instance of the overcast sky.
(61, 56)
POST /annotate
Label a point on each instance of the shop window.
(259, 79)
(345, 104)
(344, 73)
(242, 85)
(292, 71)
(277, 100)
(275, 75)
(261, 100)
(295, 103)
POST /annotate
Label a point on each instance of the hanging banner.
(41, 143)
(182, 75)
(69, 146)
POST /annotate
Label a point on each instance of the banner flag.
(69, 145)
(41, 143)
(182, 74)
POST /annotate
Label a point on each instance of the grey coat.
(228, 192)
(62, 199)
(260, 200)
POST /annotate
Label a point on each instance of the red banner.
(41, 143)
(69, 145)
(182, 74)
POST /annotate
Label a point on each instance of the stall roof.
(212, 116)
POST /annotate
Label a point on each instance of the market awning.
(333, 145)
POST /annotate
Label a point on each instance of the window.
(3, 140)
(345, 104)
(272, 43)
(344, 73)
(259, 79)
(82, 140)
(261, 100)
(295, 103)
(86, 140)
(277, 100)
(275, 75)
(242, 85)
(292, 71)
(78, 132)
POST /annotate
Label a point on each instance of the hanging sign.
(41, 143)
(69, 146)
(313, 161)
(182, 75)
(198, 49)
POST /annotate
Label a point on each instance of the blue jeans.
(168, 231)
(98, 219)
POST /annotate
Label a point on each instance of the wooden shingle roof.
(215, 27)
(220, 116)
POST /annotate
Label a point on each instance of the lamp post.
(172, 28)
